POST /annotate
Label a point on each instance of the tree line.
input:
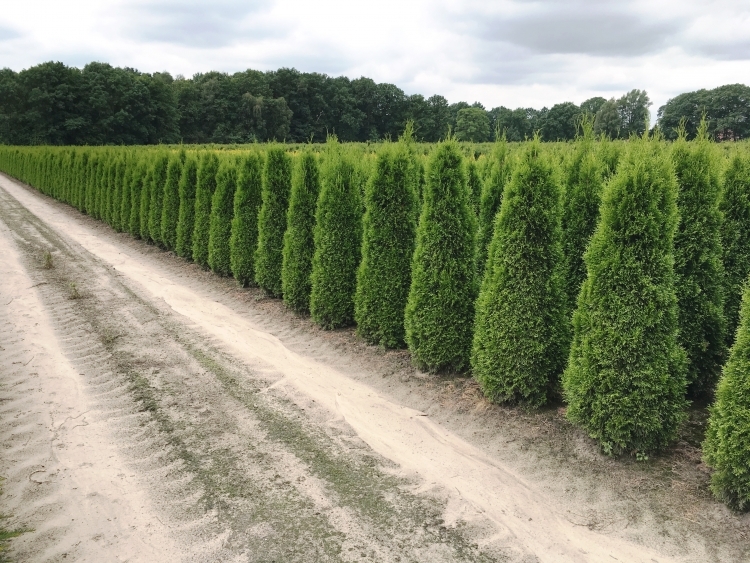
(54, 104)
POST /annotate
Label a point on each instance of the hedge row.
(606, 275)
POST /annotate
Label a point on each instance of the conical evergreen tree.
(145, 203)
(388, 233)
(584, 184)
(222, 209)
(727, 445)
(501, 167)
(439, 314)
(625, 380)
(170, 211)
(338, 237)
(186, 214)
(204, 193)
(474, 184)
(521, 329)
(735, 236)
(247, 201)
(136, 187)
(299, 245)
(158, 181)
(125, 194)
(277, 186)
(698, 265)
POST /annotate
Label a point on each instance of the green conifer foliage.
(501, 167)
(698, 265)
(204, 193)
(277, 186)
(136, 187)
(222, 209)
(584, 184)
(158, 181)
(114, 212)
(299, 245)
(170, 211)
(735, 236)
(439, 314)
(727, 445)
(521, 329)
(338, 236)
(145, 202)
(625, 379)
(474, 183)
(125, 194)
(247, 201)
(91, 180)
(186, 214)
(388, 233)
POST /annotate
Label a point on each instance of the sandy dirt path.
(475, 506)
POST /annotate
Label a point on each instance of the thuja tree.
(186, 214)
(440, 308)
(170, 211)
(583, 187)
(136, 187)
(698, 265)
(735, 236)
(247, 201)
(625, 380)
(727, 445)
(299, 245)
(473, 183)
(388, 232)
(222, 209)
(490, 200)
(337, 236)
(91, 179)
(158, 181)
(145, 201)
(204, 192)
(125, 197)
(521, 330)
(277, 185)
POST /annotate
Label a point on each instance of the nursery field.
(392, 352)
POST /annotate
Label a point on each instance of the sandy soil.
(220, 427)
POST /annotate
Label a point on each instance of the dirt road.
(154, 412)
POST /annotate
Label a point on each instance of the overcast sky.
(507, 52)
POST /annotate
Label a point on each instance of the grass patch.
(5, 534)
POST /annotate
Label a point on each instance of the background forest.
(54, 104)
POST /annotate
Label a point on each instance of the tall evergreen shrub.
(440, 308)
(337, 236)
(145, 203)
(186, 214)
(204, 192)
(474, 183)
(170, 211)
(698, 265)
(521, 329)
(158, 181)
(277, 185)
(247, 201)
(136, 187)
(388, 232)
(299, 245)
(129, 165)
(735, 236)
(727, 445)
(625, 379)
(222, 209)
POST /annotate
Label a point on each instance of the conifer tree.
(136, 187)
(440, 308)
(299, 245)
(338, 237)
(584, 184)
(277, 185)
(491, 199)
(625, 379)
(186, 214)
(727, 445)
(247, 201)
(735, 237)
(204, 193)
(698, 265)
(158, 181)
(92, 178)
(521, 329)
(125, 195)
(222, 209)
(474, 184)
(117, 195)
(170, 211)
(145, 202)
(388, 232)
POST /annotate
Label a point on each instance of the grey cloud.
(596, 31)
(737, 51)
(196, 23)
